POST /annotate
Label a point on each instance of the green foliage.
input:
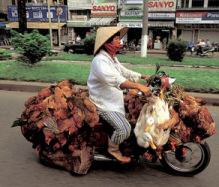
(89, 42)
(33, 46)
(2, 51)
(4, 54)
(176, 50)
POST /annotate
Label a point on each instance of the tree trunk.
(22, 19)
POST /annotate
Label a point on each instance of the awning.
(3, 24)
(169, 24)
(91, 22)
(100, 21)
(135, 24)
(77, 24)
(77, 6)
(35, 25)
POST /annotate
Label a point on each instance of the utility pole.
(22, 18)
(50, 24)
(144, 36)
(59, 30)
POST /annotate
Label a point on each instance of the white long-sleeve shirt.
(104, 82)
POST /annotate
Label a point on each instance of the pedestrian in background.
(208, 44)
(164, 43)
(78, 39)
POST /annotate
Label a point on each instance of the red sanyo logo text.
(161, 4)
(104, 8)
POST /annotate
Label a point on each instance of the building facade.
(189, 20)
(161, 16)
(38, 18)
(198, 19)
(84, 16)
(5, 32)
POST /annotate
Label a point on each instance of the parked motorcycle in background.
(215, 45)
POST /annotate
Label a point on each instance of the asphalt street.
(19, 165)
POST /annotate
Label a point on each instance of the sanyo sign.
(104, 9)
(156, 5)
(162, 5)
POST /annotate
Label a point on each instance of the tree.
(176, 50)
(22, 18)
(33, 46)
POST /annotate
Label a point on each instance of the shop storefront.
(103, 14)
(37, 18)
(161, 28)
(77, 26)
(85, 18)
(198, 25)
(131, 16)
(78, 16)
(161, 18)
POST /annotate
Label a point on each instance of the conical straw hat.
(104, 33)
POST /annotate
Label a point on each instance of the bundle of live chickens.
(190, 119)
(60, 123)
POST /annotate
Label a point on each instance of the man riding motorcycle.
(200, 46)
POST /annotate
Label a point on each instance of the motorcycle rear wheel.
(195, 159)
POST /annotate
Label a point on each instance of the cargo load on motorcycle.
(65, 129)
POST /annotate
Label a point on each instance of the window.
(134, 2)
(197, 3)
(134, 8)
(13, 2)
(213, 3)
(80, 12)
(184, 3)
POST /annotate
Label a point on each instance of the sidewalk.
(22, 86)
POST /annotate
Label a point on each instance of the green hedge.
(176, 50)
(89, 42)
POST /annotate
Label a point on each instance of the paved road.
(19, 165)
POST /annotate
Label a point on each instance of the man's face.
(116, 41)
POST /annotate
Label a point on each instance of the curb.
(22, 86)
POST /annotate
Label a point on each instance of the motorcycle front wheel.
(188, 159)
(210, 54)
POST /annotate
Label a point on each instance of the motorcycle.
(178, 157)
(184, 159)
(72, 139)
(207, 52)
(215, 45)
